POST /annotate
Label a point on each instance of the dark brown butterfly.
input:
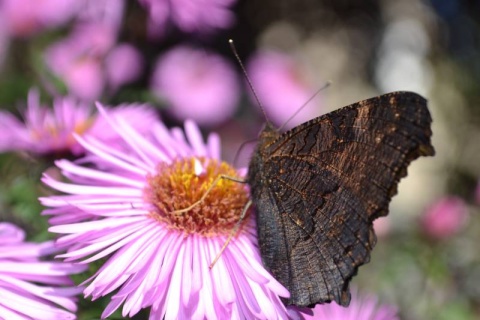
(318, 187)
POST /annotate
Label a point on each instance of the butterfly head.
(267, 135)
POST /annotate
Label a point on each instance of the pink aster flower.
(198, 85)
(445, 217)
(31, 287)
(24, 18)
(105, 12)
(89, 60)
(283, 85)
(158, 257)
(360, 308)
(189, 16)
(123, 65)
(48, 130)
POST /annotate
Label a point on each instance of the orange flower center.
(182, 183)
(57, 131)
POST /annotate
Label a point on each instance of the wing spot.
(379, 138)
(392, 128)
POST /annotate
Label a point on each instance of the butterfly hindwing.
(318, 187)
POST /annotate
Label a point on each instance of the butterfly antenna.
(235, 53)
(325, 86)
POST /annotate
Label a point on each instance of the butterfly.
(318, 187)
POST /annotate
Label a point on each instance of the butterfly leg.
(217, 179)
(232, 233)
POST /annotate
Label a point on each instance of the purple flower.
(189, 16)
(106, 12)
(24, 18)
(89, 60)
(31, 288)
(157, 257)
(198, 85)
(445, 217)
(283, 86)
(123, 65)
(48, 131)
(360, 308)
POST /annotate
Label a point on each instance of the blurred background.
(175, 56)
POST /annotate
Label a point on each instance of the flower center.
(62, 132)
(179, 185)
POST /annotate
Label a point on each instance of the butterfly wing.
(318, 187)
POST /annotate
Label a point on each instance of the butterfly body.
(318, 187)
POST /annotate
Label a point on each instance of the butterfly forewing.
(318, 187)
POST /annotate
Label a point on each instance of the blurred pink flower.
(198, 85)
(188, 16)
(31, 287)
(23, 18)
(445, 217)
(360, 308)
(89, 60)
(106, 12)
(382, 226)
(283, 86)
(156, 257)
(48, 131)
(123, 64)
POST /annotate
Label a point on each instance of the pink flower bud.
(445, 217)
